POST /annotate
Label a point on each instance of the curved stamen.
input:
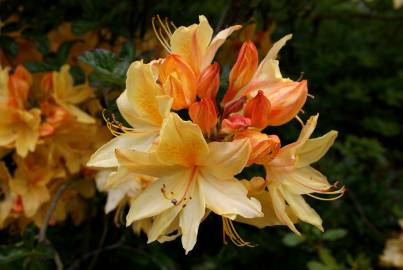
(114, 126)
(162, 32)
(230, 231)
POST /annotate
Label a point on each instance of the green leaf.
(334, 234)
(37, 66)
(128, 51)
(81, 27)
(9, 45)
(315, 265)
(13, 254)
(63, 51)
(292, 240)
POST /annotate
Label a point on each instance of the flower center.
(183, 198)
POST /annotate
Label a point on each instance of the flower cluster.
(45, 139)
(175, 160)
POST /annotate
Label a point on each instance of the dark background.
(351, 52)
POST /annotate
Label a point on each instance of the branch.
(59, 192)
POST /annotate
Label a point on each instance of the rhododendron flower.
(19, 127)
(69, 96)
(193, 175)
(143, 106)
(289, 176)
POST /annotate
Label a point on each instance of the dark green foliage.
(351, 53)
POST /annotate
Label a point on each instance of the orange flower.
(204, 114)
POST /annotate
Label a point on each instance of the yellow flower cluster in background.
(174, 172)
(393, 253)
(48, 134)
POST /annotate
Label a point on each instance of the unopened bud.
(209, 81)
(204, 114)
(258, 110)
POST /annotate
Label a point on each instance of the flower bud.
(242, 71)
(257, 110)
(263, 146)
(204, 114)
(235, 123)
(233, 107)
(47, 83)
(209, 82)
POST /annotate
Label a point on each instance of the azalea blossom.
(193, 176)
(289, 176)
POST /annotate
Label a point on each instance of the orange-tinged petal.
(192, 42)
(242, 71)
(286, 100)
(216, 43)
(178, 81)
(235, 123)
(181, 142)
(18, 87)
(204, 114)
(258, 110)
(263, 146)
(209, 82)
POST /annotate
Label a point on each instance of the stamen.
(114, 126)
(171, 195)
(311, 96)
(230, 231)
(163, 38)
(301, 76)
(299, 120)
(341, 192)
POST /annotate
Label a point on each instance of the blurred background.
(351, 53)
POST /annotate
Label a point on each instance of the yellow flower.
(6, 197)
(194, 43)
(144, 107)
(69, 96)
(289, 176)
(193, 176)
(19, 128)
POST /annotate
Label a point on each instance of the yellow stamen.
(114, 126)
(230, 231)
(163, 32)
(299, 120)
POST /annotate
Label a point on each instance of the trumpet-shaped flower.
(144, 106)
(289, 176)
(193, 175)
(286, 96)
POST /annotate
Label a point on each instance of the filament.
(163, 31)
(171, 195)
(114, 126)
(230, 231)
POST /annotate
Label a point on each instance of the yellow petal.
(216, 43)
(279, 207)
(181, 142)
(145, 163)
(303, 180)
(269, 218)
(81, 116)
(156, 198)
(301, 209)
(273, 52)
(142, 90)
(161, 223)
(104, 157)
(191, 217)
(314, 149)
(227, 197)
(227, 159)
